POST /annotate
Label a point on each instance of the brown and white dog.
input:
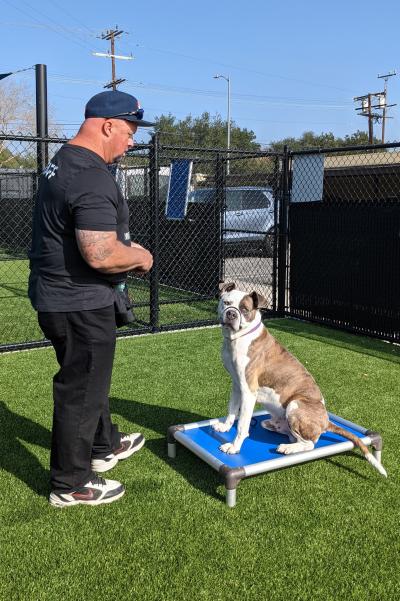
(263, 371)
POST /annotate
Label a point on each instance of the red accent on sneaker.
(88, 495)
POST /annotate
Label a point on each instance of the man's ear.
(107, 128)
(259, 301)
(226, 287)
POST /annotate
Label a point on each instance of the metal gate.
(211, 243)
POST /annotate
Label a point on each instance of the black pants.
(84, 342)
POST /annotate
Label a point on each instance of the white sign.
(308, 178)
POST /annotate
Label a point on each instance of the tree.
(17, 111)
(324, 140)
(358, 138)
(208, 132)
(18, 116)
(204, 132)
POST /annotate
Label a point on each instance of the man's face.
(121, 138)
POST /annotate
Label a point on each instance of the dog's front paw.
(286, 449)
(221, 427)
(229, 448)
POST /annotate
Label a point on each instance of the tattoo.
(95, 246)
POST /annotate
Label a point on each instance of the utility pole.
(384, 117)
(111, 35)
(366, 111)
(367, 106)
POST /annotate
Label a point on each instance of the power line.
(55, 23)
(67, 37)
(291, 101)
(40, 25)
(62, 8)
(229, 66)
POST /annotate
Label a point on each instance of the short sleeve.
(92, 199)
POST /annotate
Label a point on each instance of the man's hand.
(102, 251)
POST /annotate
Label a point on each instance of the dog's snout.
(231, 314)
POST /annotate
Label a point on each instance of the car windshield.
(256, 199)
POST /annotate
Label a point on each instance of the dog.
(263, 371)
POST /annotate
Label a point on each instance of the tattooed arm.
(102, 251)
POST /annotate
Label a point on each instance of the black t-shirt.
(76, 191)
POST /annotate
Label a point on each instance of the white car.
(249, 218)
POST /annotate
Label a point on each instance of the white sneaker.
(105, 464)
(129, 444)
(95, 492)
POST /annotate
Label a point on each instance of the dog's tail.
(364, 449)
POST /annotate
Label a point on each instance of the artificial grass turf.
(18, 321)
(323, 530)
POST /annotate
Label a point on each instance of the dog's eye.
(245, 311)
(226, 303)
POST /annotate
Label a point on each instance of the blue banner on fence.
(178, 189)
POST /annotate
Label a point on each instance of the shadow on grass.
(353, 342)
(20, 462)
(15, 458)
(335, 461)
(20, 291)
(199, 474)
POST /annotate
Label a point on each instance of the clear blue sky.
(294, 66)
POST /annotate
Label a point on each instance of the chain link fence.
(344, 239)
(18, 184)
(316, 233)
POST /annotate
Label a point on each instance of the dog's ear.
(226, 287)
(259, 301)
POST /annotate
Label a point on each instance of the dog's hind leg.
(277, 425)
(246, 412)
(295, 447)
(305, 426)
(233, 411)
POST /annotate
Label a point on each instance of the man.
(81, 253)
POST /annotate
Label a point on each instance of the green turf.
(327, 530)
(18, 321)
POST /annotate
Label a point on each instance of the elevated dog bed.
(258, 453)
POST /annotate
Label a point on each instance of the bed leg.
(231, 497)
(377, 444)
(171, 442)
(172, 450)
(231, 477)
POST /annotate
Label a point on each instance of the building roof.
(362, 159)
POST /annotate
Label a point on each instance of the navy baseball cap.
(116, 105)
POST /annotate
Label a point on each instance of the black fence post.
(283, 233)
(276, 188)
(220, 183)
(155, 233)
(41, 116)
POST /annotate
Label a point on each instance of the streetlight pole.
(228, 80)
